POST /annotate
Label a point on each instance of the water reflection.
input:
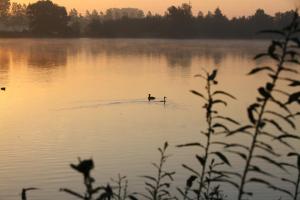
(95, 99)
(43, 54)
(4, 66)
(47, 56)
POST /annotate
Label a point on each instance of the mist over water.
(88, 98)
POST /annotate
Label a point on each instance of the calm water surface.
(87, 98)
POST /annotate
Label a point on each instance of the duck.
(165, 100)
(3, 88)
(151, 98)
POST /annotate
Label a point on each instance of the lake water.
(88, 98)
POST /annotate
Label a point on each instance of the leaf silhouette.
(242, 155)
(290, 70)
(271, 161)
(72, 193)
(282, 105)
(224, 93)
(190, 181)
(286, 119)
(251, 109)
(240, 130)
(258, 56)
(264, 144)
(219, 125)
(213, 75)
(259, 69)
(236, 145)
(288, 181)
(227, 181)
(260, 171)
(222, 157)
(294, 97)
(198, 94)
(131, 197)
(264, 92)
(268, 150)
(227, 119)
(219, 101)
(227, 173)
(201, 160)
(275, 124)
(287, 136)
(190, 169)
(294, 83)
(261, 181)
(195, 144)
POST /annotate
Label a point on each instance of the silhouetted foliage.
(261, 113)
(47, 18)
(85, 167)
(216, 125)
(264, 129)
(158, 187)
(4, 8)
(44, 18)
(25, 190)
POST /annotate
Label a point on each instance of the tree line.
(45, 18)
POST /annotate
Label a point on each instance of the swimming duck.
(150, 98)
(165, 100)
(3, 88)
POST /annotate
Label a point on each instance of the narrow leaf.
(259, 69)
(222, 157)
(195, 144)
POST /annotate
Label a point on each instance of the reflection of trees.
(51, 55)
(4, 66)
(181, 59)
(4, 61)
(47, 56)
(178, 53)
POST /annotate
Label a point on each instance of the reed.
(282, 51)
(158, 187)
(216, 125)
(84, 167)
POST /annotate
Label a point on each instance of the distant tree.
(218, 14)
(119, 13)
(180, 20)
(47, 18)
(18, 19)
(200, 15)
(282, 19)
(260, 20)
(183, 12)
(74, 22)
(4, 8)
(149, 14)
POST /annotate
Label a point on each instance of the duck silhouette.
(3, 88)
(151, 98)
(165, 100)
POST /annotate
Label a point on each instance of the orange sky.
(229, 7)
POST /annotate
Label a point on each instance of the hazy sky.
(229, 7)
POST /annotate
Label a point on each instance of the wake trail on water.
(102, 103)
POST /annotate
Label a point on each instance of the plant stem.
(260, 117)
(155, 192)
(209, 123)
(297, 185)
